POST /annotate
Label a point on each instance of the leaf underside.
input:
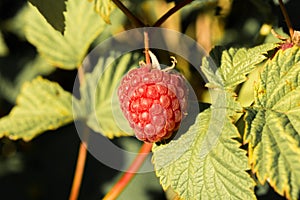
(42, 105)
(273, 124)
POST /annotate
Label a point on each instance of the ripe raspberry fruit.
(153, 101)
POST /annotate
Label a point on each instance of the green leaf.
(3, 47)
(235, 65)
(104, 8)
(206, 162)
(54, 15)
(273, 124)
(67, 50)
(220, 98)
(99, 104)
(41, 106)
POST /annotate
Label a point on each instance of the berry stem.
(287, 18)
(128, 175)
(170, 12)
(146, 43)
(136, 21)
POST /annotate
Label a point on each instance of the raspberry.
(153, 101)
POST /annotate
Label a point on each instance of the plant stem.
(146, 43)
(128, 175)
(79, 169)
(81, 153)
(287, 18)
(173, 10)
(136, 21)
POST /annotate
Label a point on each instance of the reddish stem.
(170, 12)
(287, 18)
(127, 176)
(78, 172)
(146, 43)
(81, 153)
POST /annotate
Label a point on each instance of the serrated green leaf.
(235, 65)
(273, 124)
(206, 162)
(67, 50)
(41, 106)
(99, 104)
(104, 8)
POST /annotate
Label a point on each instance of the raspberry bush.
(243, 143)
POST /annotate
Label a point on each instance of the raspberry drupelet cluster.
(154, 101)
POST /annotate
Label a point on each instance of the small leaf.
(104, 8)
(41, 106)
(67, 50)
(206, 162)
(99, 103)
(236, 64)
(273, 124)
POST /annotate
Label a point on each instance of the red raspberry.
(153, 101)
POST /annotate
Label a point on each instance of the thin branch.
(128, 175)
(287, 18)
(173, 10)
(81, 158)
(136, 21)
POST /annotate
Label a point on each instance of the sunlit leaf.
(236, 64)
(104, 8)
(67, 50)
(273, 124)
(206, 162)
(42, 105)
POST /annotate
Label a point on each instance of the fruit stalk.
(146, 43)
